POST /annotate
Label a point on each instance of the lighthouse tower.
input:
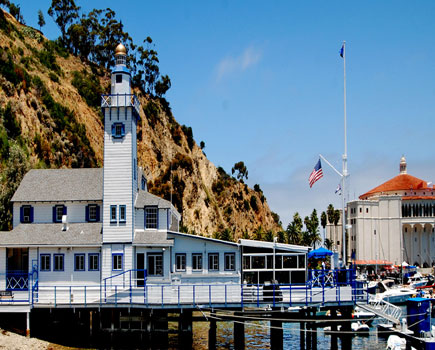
(121, 112)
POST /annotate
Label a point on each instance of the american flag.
(316, 174)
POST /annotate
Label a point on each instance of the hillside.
(51, 117)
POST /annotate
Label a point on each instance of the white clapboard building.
(101, 227)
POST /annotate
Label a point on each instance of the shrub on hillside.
(88, 86)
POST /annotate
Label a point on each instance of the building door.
(140, 265)
(17, 268)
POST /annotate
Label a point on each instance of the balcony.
(121, 100)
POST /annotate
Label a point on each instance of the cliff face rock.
(53, 98)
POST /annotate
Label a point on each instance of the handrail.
(120, 100)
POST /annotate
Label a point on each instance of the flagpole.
(345, 174)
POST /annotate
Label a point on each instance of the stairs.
(383, 309)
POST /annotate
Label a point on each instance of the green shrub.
(4, 144)
(253, 202)
(53, 77)
(151, 110)
(246, 205)
(88, 86)
(10, 122)
(187, 130)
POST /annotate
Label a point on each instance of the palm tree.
(323, 222)
(294, 230)
(330, 211)
(328, 244)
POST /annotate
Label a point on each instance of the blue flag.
(342, 51)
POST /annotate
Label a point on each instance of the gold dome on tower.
(120, 50)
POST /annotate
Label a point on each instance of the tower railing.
(120, 100)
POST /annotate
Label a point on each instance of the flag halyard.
(316, 174)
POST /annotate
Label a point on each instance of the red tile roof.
(397, 183)
(412, 198)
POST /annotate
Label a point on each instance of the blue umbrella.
(319, 253)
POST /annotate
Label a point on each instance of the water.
(257, 337)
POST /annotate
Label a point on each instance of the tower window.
(118, 78)
(122, 213)
(118, 130)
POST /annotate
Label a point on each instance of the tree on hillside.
(15, 169)
(15, 11)
(41, 20)
(242, 171)
(259, 233)
(162, 85)
(64, 12)
(226, 235)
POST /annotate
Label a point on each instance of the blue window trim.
(40, 262)
(176, 262)
(22, 214)
(90, 255)
(122, 261)
(64, 212)
(113, 220)
(114, 134)
(125, 213)
(84, 262)
(54, 262)
(88, 210)
(225, 261)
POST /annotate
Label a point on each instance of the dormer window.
(58, 212)
(92, 213)
(26, 214)
(118, 130)
(151, 217)
(118, 78)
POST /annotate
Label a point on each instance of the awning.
(320, 253)
(373, 262)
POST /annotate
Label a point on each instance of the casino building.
(394, 222)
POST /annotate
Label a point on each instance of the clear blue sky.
(262, 82)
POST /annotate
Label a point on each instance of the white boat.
(363, 315)
(360, 327)
(394, 295)
(396, 343)
(417, 280)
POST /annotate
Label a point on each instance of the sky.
(262, 82)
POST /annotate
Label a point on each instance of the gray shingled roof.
(84, 234)
(152, 238)
(41, 185)
(147, 199)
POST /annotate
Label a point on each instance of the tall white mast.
(345, 174)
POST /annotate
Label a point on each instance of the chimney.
(64, 223)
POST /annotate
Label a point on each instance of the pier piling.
(239, 333)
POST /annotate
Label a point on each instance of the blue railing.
(131, 287)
